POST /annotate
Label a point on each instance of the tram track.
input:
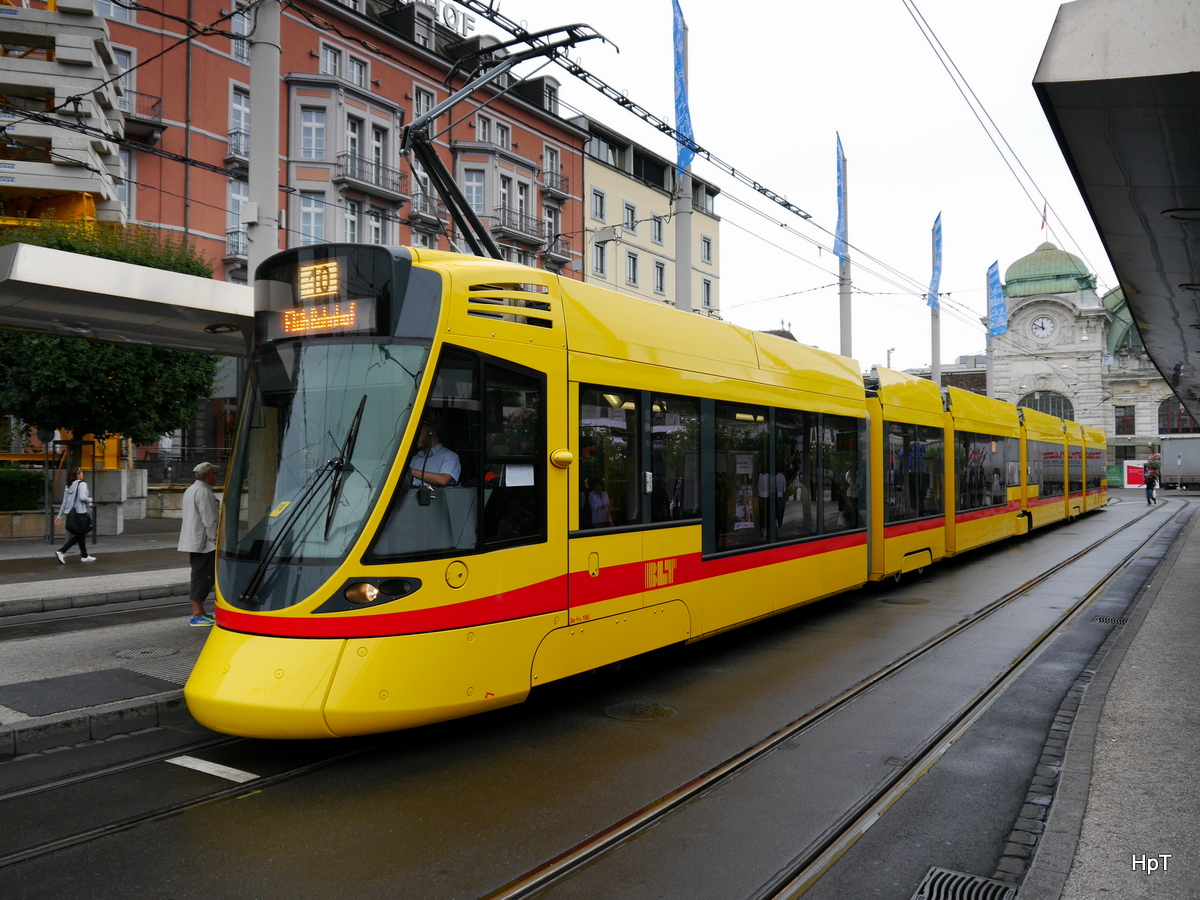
(808, 866)
(166, 810)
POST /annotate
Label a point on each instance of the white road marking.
(211, 768)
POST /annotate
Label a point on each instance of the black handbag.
(79, 523)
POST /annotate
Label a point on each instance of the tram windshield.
(321, 429)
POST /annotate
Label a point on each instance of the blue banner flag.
(839, 242)
(935, 280)
(997, 308)
(683, 113)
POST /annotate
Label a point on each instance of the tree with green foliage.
(86, 386)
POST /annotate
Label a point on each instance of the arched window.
(1174, 419)
(1051, 402)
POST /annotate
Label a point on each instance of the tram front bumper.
(263, 687)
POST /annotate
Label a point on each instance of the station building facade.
(1072, 352)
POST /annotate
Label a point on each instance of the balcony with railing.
(237, 246)
(555, 184)
(508, 221)
(371, 176)
(237, 152)
(426, 207)
(557, 249)
(143, 114)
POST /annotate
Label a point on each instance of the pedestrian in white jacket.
(198, 538)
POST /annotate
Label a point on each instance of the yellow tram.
(457, 479)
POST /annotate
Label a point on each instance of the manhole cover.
(1110, 620)
(942, 884)
(146, 653)
(639, 711)
(904, 601)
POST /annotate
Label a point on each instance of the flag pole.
(935, 314)
(683, 175)
(842, 252)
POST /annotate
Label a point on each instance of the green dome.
(1047, 270)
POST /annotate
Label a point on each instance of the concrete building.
(630, 223)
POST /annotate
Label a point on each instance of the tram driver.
(434, 463)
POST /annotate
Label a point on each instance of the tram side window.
(1096, 470)
(1012, 458)
(514, 505)
(913, 471)
(1075, 470)
(675, 457)
(797, 488)
(843, 443)
(980, 467)
(1049, 457)
(742, 462)
(610, 441)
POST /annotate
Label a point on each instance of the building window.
(331, 61)
(1124, 451)
(503, 133)
(376, 230)
(114, 10)
(312, 133)
(1174, 419)
(599, 259)
(522, 199)
(551, 158)
(631, 268)
(630, 218)
(353, 211)
(483, 129)
(505, 191)
(1050, 402)
(656, 229)
(378, 154)
(598, 206)
(358, 72)
(1126, 419)
(706, 297)
(312, 218)
(239, 123)
(660, 277)
(705, 249)
(241, 26)
(473, 179)
(124, 62)
(423, 102)
(424, 239)
(123, 193)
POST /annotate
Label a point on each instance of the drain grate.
(639, 711)
(146, 653)
(1111, 620)
(942, 884)
(904, 601)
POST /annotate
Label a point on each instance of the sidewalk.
(61, 686)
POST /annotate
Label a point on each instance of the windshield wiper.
(341, 465)
(295, 511)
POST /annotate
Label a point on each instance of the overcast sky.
(771, 84)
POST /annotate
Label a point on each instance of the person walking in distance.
(198, 539)
(74, 509)
(1151, 482)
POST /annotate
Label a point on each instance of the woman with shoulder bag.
(75, 508)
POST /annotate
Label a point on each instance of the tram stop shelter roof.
(1120, 86)
(56, 292)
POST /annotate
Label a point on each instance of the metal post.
(847, 348)
(935, 321)
(683, 243)
(262, 219)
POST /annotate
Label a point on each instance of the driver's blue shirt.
(437, 460)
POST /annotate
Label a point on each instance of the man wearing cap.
(198, 538)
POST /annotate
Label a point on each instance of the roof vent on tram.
(524, 304)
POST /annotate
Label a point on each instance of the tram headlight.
(362, 593)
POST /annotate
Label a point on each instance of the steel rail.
(173, 809)
(630, 826)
